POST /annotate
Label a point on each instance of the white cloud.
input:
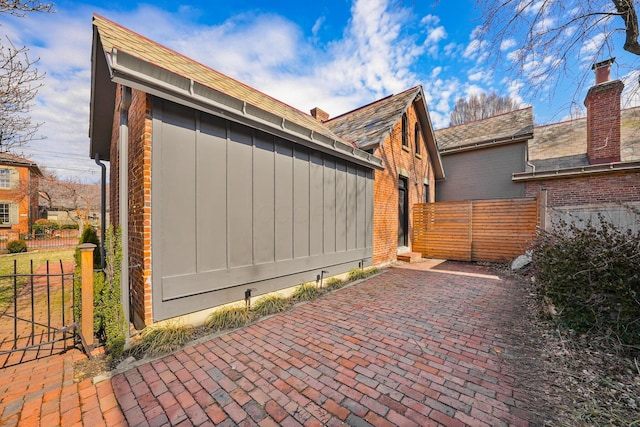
(317, 25)
(375, 56)
(631, 93)
(592, 46)
(475, 76)
(544, 25)
(507, 44)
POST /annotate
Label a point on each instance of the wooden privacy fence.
(477, 230)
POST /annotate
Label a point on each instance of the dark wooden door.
(403, 212)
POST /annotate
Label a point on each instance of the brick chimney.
(319, 114)
(603, 116)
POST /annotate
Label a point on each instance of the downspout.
(103, 209)
(123, 202)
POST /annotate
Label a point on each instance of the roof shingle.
(512, 125)
(564, 144)
(368, 126)
(114, 36)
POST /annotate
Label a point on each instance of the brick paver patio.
(409, 347)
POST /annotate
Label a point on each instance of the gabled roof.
(11, 160)
(503, 128)
(370, 125)
(122, 56)
(564, 144)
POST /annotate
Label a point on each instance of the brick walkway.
(407, 347)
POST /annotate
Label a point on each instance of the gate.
(36, 314)
(475, 230)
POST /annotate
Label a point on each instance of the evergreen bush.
(16, 246)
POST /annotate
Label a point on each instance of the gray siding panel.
(211, 167)
(482, 174)
(341, 206)
(300, 203)
(235, 208)
(177, 192)
(352, 206)
(329, 208)
(264, 199)
(240, 196)
(316, 190)
(284, 200)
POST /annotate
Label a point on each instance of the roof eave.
(577, 171)
(102, 102)
(487, 143)
(136, 73)
(432, 146)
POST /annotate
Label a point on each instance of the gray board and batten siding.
(482, 174)
(236, 208)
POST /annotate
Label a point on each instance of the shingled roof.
(512, 126)
(11, 160)
(369, 126)
(143, 64)
(564, 144)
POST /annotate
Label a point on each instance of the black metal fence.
(36, 313)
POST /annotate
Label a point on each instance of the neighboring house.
(69, 202)
(18, 195)
(219, 189)
(591, 163)
(480, 157)
(398, 130)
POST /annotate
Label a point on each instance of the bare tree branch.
(19, 81)
(630, 17)
(21, 8)
(481, 107)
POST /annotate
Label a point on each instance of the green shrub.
(90, 235)
(108, 306)
(306, 292)
(270, 304)
(109, 320)
(16, 246)
(591, 275)
(334, 283)
(357, 274)
(229, 317)
(163, 339)
(69, 227)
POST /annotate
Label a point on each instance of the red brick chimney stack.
(319, 115)
(603, 116)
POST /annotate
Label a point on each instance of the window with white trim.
(5, 178)
(5, 216)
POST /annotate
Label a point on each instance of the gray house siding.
(237, 208)
(482, 174)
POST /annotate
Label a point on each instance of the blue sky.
(336, 55)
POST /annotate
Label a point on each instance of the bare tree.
(481, 106)
(541, 37)
(19, 81)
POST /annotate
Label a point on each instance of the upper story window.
(405, 131)
(5, 178)
(416, 138)
(4, 213)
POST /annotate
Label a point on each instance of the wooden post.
(542, 209)
(86, 265)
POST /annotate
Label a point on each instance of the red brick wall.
(385, 187)
(610, 188)
(603, 122)
(139, 201)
